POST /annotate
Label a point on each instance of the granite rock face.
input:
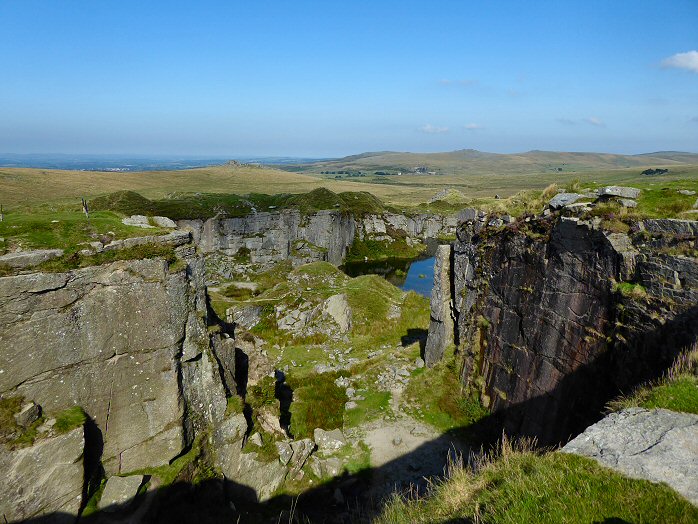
(269, 237)
(546, 336)
(656, 445)
(43, 479)
(441, 323)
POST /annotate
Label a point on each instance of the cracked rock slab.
(656, 445)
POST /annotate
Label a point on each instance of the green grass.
(317, 403)
(438, 398)
(64, 228)
(628, 289)
(375, 250)
(234, 405)
(375, 404)
(522, 486)
(206, 205)
(72, 261)
(69, 419)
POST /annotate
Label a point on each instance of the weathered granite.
(43, 479)
(24, 259)
(441, 324)
(619, 191)
(119, 492)
(657, 445)
(564, 199)
(106, 338)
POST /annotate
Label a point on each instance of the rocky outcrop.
(547, 334)
(656, 445)
(269, 237)
(441, 324)
(43, 479)
(105, 338)
(23, 259)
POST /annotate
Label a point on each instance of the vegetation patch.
(69, 419)
(71, 261)
(522, 486)
(317, 403)
(373, 250)
(440, 400)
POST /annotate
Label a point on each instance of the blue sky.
(318, 78)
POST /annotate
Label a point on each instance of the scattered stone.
(329, 440)
(350, 405)
(496, 222)
(397, 441)
(627, 202)
(419, 362)
(508, 219)
(22, 259)
(687, 192)
(657, 445)
(301, 451)
(619, 191)
(119, 492)
(341, 382)
(563, 199)
(256, 439)
(29, 414)
(695, 205)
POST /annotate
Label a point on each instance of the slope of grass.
(317, 403)
(65, 229)
(677, 390)
(522, 486)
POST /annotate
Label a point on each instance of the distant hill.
(470, 161)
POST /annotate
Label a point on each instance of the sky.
(317, 78)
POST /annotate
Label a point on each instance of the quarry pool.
(409, 275)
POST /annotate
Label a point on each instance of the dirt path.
(404, 451)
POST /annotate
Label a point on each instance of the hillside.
(29, 187)
(471, 162)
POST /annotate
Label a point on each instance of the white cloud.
(433, 130)
(688, 60)
(594, 121)
(473, 127)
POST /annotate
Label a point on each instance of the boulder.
(671, 226)
(302, 449)
(329, 441)
(43, 479)
(563, 199)
(627, 202)
(23, 259)
(686, 192)
(164, 222)
(285, 452)
(245, 316)
(619, 191)
(119, 492)
(29, 414)
(137, 221)
(657, 445)
(337, 307)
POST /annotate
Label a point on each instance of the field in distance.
(480, 175)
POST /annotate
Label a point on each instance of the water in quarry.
(408, 274)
